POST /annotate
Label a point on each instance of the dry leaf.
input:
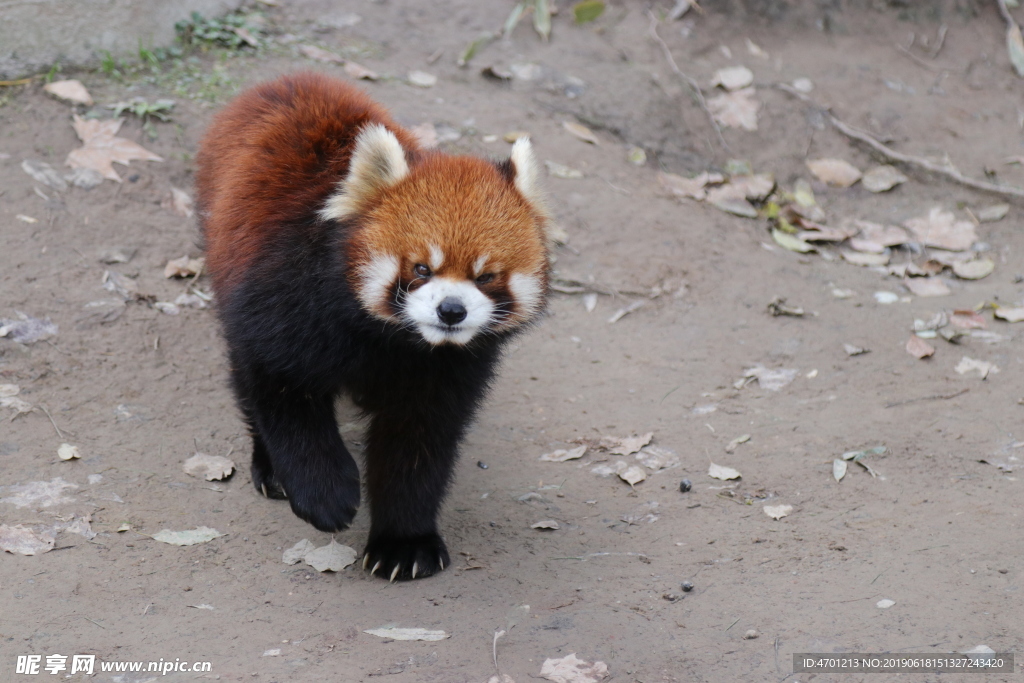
(561, 455)
(770, 380)
(723, 473)
(777, 511)
(209, 467)
(559, 171)
(1015, 47)
(422, 79)
(919, 348)
(188, 537)
(122, 285)
(834, 171)
(733, 77)
(26, 329)
(395, 633)
(882, 178)
(44, 173)
(70, 91)
(859, 258)
(791, 242)
(882, 235)
(980, 368)
(581, 132)
(1010, 315)
(68, 452)
(689, 187)
(838, 469)
(636, 156)
(926, 286)
(633, 475)
(737, 109)
(297, 552)
(21, 540)
(731, 447)
(991, 214)
(38, 494)
(657, 458)
(852, 350)
(969, 320)
(332, 557)
(184, 267)
(625, 445)
(547, 524)
(571, 669)
(9, 399)
(101, 148)
(179, 202)
(974, 270)
(320, 55)
(360, 72)
(941, 230)
(642, 513)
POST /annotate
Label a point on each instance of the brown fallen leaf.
(320, 55)
(1010, 315)
(571, 669)
(882, 235)
(737, 109)
(101, 148)
(360, 72)
(733, 77)
(919, 348)
(209, 467)
(974, 270)
(882, 178)
(689, 187)
(835, 172)
(70, 91)
(625, 445)
(184, 267)
(926, 286)
(581, 132)
(941, 230)
(179, 202)
(969, 320)
(21, 540)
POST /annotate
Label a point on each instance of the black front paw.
(266, 483)
(403, 559)
(329, 503)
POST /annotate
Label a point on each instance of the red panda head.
(453, 247)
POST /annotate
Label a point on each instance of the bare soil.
(939, 532)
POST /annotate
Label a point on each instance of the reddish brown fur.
(271, 158)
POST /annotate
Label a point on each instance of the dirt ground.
(938, 531)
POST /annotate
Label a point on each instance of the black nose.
(451, 311)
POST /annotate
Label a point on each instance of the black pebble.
(687, 586)
(685, 485)
(134, 178)
(481, 464)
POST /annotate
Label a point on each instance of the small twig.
(917, 60)
(689, 81)
(733, 623)
(893, 155)
(96, 622)
(1007, 17)
(59, 434)
(934, 397)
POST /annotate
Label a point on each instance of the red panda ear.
(524, 166)
(377, 163)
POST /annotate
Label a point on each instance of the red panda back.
(271, 158)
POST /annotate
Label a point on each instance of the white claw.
(366, 560)
(394, 573)
(264, 487)
(375, 568)
(441, 560)
(415, 568)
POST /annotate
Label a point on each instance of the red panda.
(345, 259)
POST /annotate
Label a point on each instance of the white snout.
(421, 310)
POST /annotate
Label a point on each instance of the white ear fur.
(525, 166)
(377, 162)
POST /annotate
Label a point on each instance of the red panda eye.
(485, 278)
(422, 270)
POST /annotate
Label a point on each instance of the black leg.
(410, 455)
(297, 435)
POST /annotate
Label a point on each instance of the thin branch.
(910, 160)
(1007, 17)
(940, 40)
(686, 79)
(60, 435)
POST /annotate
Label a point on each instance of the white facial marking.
(526, 290)
(421, 310)
(376, 279)
(436, 257)
(478, 265)
(377, 162)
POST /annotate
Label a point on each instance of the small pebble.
(685, 485)
(482, 465)
(687, 586)
(750, 635)
(673, 597)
